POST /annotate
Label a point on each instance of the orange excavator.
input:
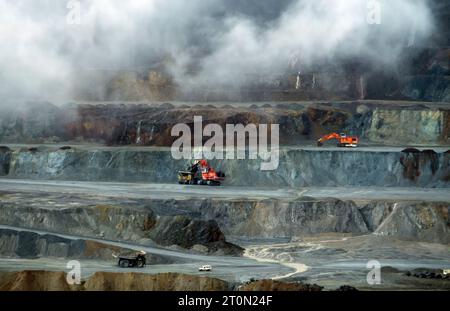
(200, 173)
(343, 140)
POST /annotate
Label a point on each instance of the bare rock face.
(374, 213)
(276, 218)
(162, 223)
(5, 159)
(297, 168)
(114, 222)
(418, 222)
(150, 124)
(94, 221)
(423, 164)
(427, 222)
(420, 126)
(27, 244)
(187, 232)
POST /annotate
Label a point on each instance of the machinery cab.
(200, 173)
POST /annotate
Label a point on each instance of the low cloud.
(200, 42)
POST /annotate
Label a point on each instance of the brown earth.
(110, 281)
(273, 285)
(144, 282)
(35, 281)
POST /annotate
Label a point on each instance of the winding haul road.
(260, 261)
(228, 268)
(163, 191)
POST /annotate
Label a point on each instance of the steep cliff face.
(418, 222)
(5, 159)
(428, 222)
(26, 244)
(151, 123)
(428, 88)
(297, 168)
(415, 126)
(183, 231)
(254, 218)
(97, 221)
(275, 218)
(137, 224)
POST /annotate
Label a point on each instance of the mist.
(46, 44)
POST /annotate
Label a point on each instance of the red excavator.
(200, 173)
(343, 140)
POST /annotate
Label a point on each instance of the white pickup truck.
(205, 268)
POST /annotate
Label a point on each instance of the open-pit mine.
(327, 123)
(85, 181)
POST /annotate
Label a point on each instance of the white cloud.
(39, 51)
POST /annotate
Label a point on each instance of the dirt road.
(156, 191)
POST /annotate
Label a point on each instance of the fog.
(45, 44)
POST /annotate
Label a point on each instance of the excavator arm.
(328, 137)
(343, 140)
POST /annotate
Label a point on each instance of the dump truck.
(343, 140)
(200, 173)
(131, 259)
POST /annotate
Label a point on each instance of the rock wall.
(417, 222)
(386, 123)
(5, 160)
(26, 244)
(138, 224)
(277, 218)
(88, 221)
(415, 126)
(191, 223)
(297, 168)
(428, 222)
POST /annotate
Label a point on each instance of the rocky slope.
(136, 223)
(189, 222)
(386, 123)
(428, 222)
(26, 244)
(31, 245)
(297, 167)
